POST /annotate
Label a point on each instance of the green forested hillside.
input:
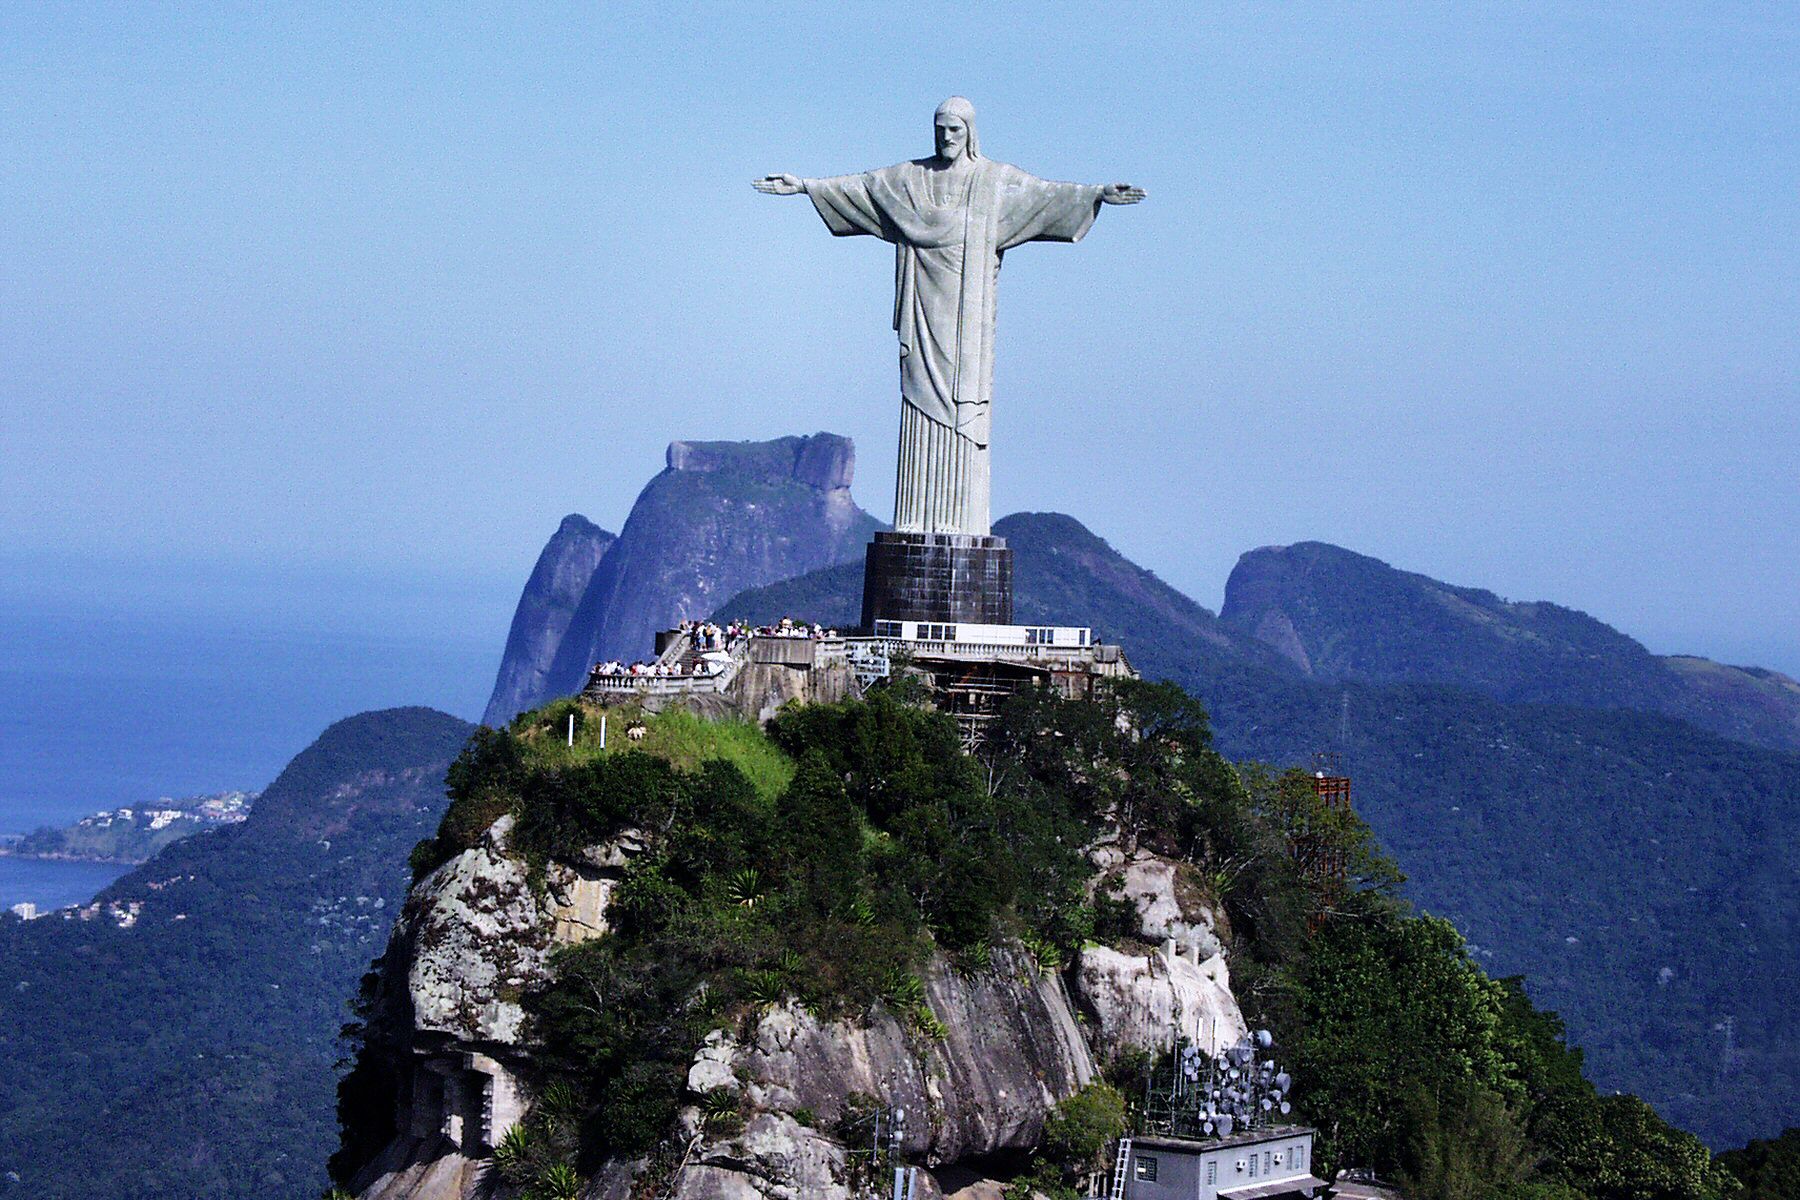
(1342, 616)
(1664, 852)
(190, 1053)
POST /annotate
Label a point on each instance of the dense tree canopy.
(825, 858)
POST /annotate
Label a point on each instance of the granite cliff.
(981, 1052)
(720, 517)
(546, 607)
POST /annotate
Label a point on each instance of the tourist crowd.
(700, 670)
(711, 643)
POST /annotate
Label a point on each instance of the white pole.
(571, 729)
(603, 731)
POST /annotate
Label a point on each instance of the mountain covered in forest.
(176, 1038)
(1337, 615)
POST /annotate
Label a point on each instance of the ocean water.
(120, 696)
(53, 884)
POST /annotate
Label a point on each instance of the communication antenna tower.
(887, 1134)
(1211, 1096)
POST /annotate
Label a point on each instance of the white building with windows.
(1258, 1165)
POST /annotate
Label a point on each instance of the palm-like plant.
(512, 1157)
(558, 1182)
(745, 887)
(765, 986)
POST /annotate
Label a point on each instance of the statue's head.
(955, 129)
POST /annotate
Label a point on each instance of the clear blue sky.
(1506, 294)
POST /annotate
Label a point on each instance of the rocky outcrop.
(1011, 1049)
(1178, 984)
(546, 607)
(474, 936)
(1012, 1040)
(720, 518)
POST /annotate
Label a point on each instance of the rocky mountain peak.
(722, 517)
(546, 607)
(826, 461)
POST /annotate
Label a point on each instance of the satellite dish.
(1225, 1125)
(1284, 1081)
(1264, 1038)
(1286, 1108)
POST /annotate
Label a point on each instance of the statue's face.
(952, 137)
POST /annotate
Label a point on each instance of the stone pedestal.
(952, 577)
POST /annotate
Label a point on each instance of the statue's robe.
(949, 232)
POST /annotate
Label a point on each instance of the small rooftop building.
(1262, 1164)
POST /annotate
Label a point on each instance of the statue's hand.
(778, 185)
(1121, 193)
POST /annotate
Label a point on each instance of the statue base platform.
(950, 577)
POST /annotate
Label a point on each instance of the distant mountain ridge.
(1337, 615)
(720, 517)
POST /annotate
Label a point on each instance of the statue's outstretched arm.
(778, 185)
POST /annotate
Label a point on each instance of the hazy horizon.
(355, 305)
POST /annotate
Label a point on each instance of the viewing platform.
(970, 668)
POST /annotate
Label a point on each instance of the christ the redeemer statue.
(950, 217)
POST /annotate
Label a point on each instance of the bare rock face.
(546, 606)
(722, 517)
(1142, 1000)
(1168, 904)
(1012, 1045)
(1012, 1048)
(1182, 987)
(473, 937)
(478, 940)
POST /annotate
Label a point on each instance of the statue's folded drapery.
(946, 264)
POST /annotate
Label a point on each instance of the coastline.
(6, 851)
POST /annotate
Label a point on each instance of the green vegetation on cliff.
(1767, 1169)
(1635, 870)
(825, 860)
